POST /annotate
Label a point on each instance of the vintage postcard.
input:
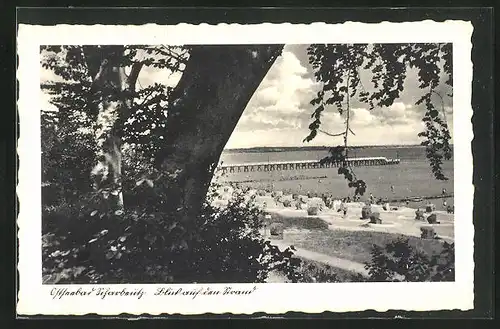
(191, 169)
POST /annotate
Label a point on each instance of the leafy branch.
(388, 64)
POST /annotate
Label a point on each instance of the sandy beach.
(395, 219)
(325, 235)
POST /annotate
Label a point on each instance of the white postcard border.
(35, 298)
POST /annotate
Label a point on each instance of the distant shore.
(264, 149)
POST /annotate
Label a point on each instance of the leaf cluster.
(338, 67)
(145, 244)
(398, 261)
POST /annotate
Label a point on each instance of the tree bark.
(115, 90)
(215, 88)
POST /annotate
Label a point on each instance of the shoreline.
(397, 219)
(413, 201)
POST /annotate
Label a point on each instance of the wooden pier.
(304, 164)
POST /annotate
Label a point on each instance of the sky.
(279, 112)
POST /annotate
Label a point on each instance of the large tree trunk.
(115, 90)
(215, 88)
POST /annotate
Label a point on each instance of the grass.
(351, 245)
(355, 245)
(307, 223)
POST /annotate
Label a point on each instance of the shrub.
(398, 261)
(450, 209)
(366, 211)
(85, 243)
(427, 233)
(287, 203)
(317, 272)
(66, 158)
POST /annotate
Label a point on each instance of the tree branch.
(347, 118)
(330, 134)
(167, 52)
(134, 74)
(442, 104)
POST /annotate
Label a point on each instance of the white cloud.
(151, 75)
(279, 112)
(362, 117)
(281, 101)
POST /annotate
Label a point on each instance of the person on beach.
(445, 204)
(443, 191)
(392, 189)
(371, 198)
(340, 204)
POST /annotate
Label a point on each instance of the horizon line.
(322, 146)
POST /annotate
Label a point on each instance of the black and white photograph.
(246, 165)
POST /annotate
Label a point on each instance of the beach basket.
(432, 219)
(419, 215)
(312, 211)
(276, 230)
(430, 208)
(375, 218)
(427, 232)
(366, 211)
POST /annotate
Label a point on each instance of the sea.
(412, 177)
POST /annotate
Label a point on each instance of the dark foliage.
(338, 67)
(398, 261)
(85, 243)
(67, 155)
(338, 156)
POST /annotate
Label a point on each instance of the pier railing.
(304, 164)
